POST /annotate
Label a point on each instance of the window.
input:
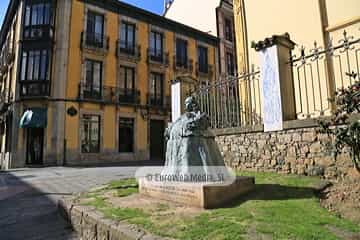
(93, 79)
(156, 46)
(127, 84)
(126, 135)
(228, 30)
(230, 64)
(181, 53)
(35, 65)
(127, 38)
(36, 17)
(156, 88)
(90, 142)
(38, 14)
(95, 29)
(203, 59)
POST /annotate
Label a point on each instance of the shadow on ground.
(28, 213)
(275, 192)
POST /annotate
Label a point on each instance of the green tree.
(345, 123)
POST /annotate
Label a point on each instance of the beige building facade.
(215, 17)
(314, 25)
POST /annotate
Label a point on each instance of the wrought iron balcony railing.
(39, 32)
(128, 50)
(34, 88)
(181, 64)
(94, 41)
(158, 57)
(158, 101)
(204, 70)
(108, 94)
(6, 96)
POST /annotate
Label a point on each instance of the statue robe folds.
(191, 146)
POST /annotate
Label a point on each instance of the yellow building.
(88, 82)
(308, 22)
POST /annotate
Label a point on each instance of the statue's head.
(191, 104)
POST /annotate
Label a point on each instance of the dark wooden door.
(157, 148)
(35, 143)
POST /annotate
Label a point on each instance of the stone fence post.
(276, 77)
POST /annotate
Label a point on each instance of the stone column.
(277, 85)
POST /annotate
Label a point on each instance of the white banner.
(270, 87)
(175, 101)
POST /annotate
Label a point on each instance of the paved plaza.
(28, 199)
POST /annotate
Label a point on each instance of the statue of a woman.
(191, 143)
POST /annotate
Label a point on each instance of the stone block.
(309, 136)
(315, 147)
(202, 195)
(89, 225)
(316, 171)
(76, 219)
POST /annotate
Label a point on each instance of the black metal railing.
(226, 107)
(6, 96)
(204, 69)
(108, 94)
(128, 50)
(38, 32)
(34, 88)
(158, 57)
(129, 96)
(181, 64)
(94, 40)
(319, 72)
(158, 101)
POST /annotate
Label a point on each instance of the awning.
(34, 118)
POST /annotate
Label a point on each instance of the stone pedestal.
(202, 195)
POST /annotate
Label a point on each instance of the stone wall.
(301, 151)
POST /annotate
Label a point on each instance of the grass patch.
(281, 207)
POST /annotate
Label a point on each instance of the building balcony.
(5, 99)
(3, 67)
(108, 94)
(183, 65)
(204, 70)
(94, 41)
(38, 32)
(128, 52)
(34, 89)
(159, 101)
(6, 96)
(158, 57)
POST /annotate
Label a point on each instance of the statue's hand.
(167, 132)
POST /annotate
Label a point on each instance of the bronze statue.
(190, 143)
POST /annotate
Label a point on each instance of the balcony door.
(181, 53)
(127, 38)
(127, 84)
(156, 89)
(156, 46)
(93, 79)
(95, 29)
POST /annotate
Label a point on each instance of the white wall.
(199, 14)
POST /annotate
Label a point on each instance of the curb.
(89, 224)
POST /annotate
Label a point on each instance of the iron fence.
(232, 101)
(320, 71)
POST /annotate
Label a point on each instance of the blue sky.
(155, 6)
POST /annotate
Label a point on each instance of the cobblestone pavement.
(28, 199)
